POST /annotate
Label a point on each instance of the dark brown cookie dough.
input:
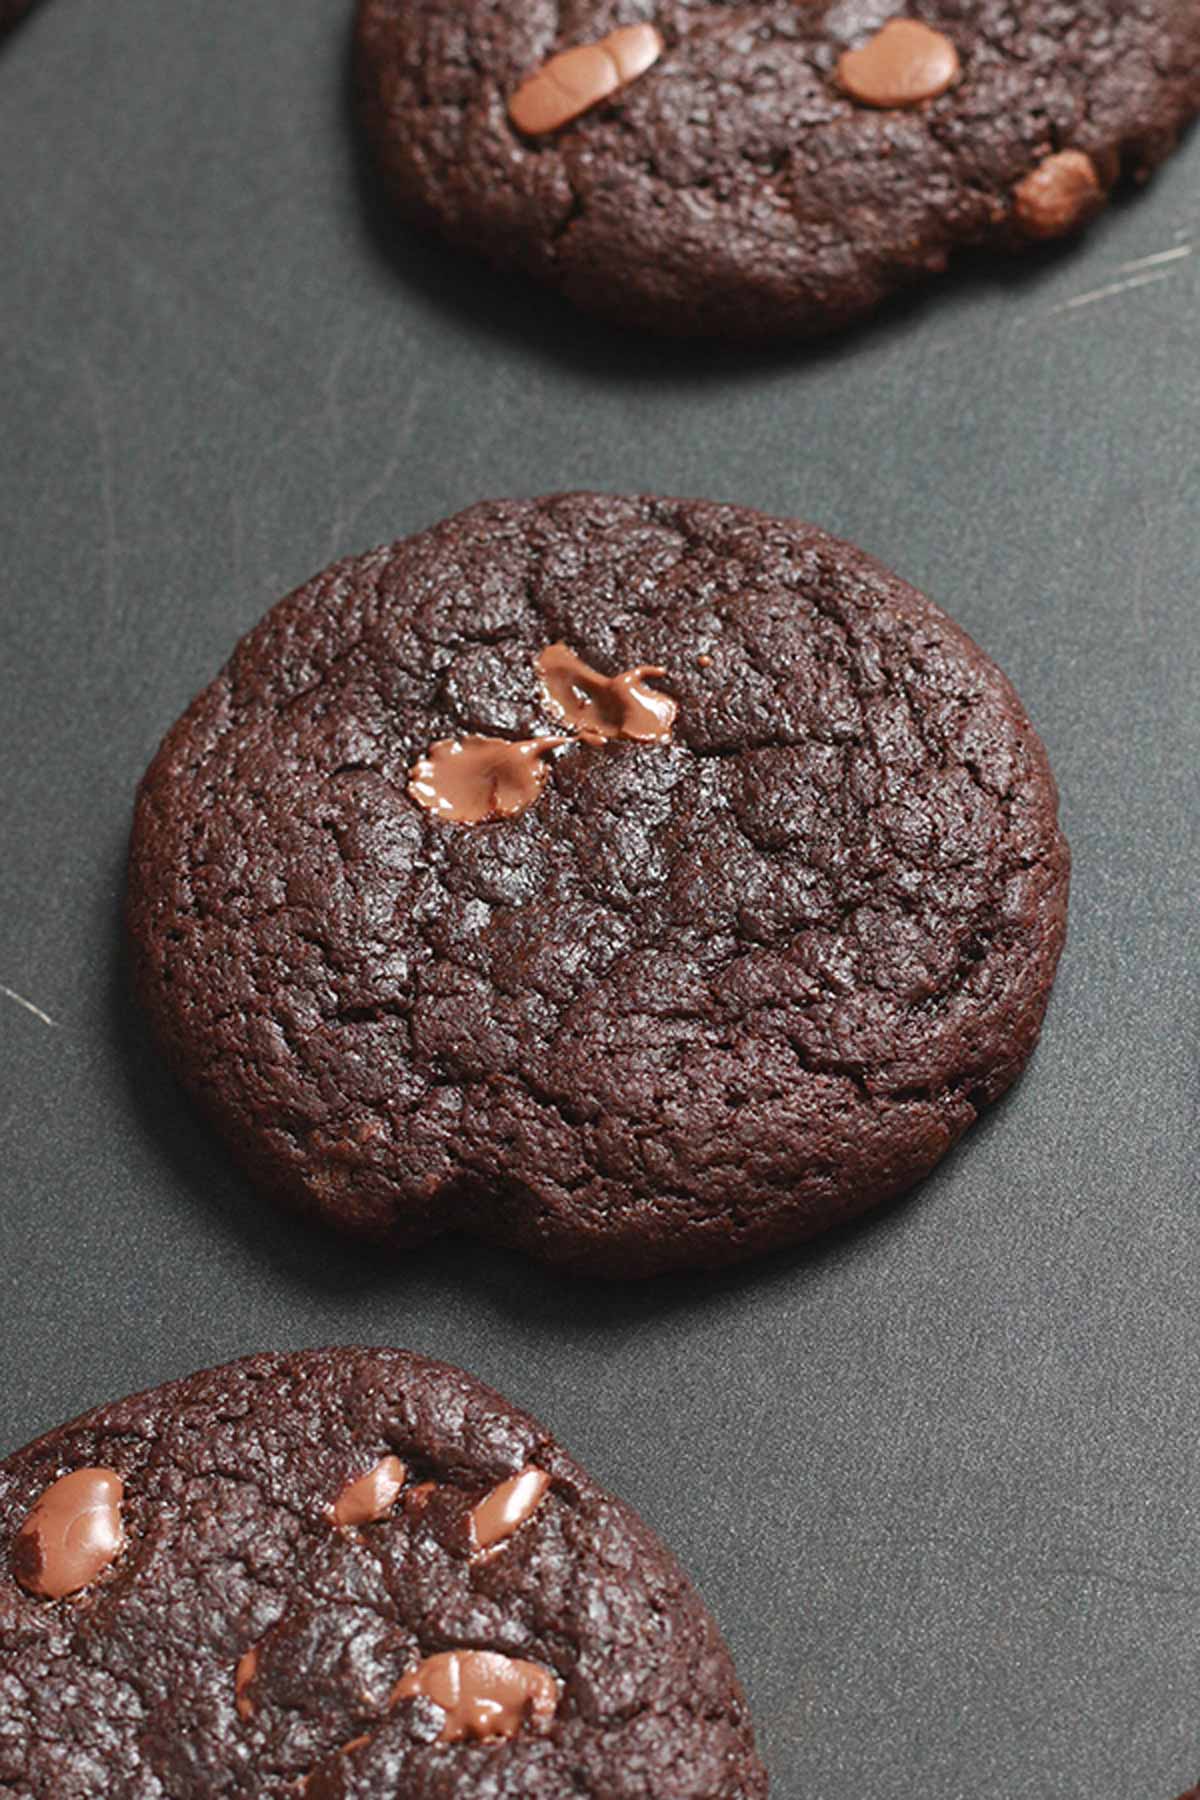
(701, 996)
(242, 1639)
(758, 178)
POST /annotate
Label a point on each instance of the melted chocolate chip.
(507, 1507)
(472, 779)
(598, 707)
(904, 63)
(482, 1693)
(72, 1535)
(581, 77)
(370, 1496)
(1062, 193)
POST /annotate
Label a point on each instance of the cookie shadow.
(522, 315)
(566, 1305)
(11, 31)
(303, 1253)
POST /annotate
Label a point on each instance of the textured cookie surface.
(738, 186)
(244, 1642)
(704, 996)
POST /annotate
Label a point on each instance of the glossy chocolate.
(482, 1694)
(370, 1496)
(904, 63)
(579, 78)
(507, 1507)
(600, 707)
(470, 780)
(72, 1535)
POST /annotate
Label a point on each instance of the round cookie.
(774, 168)
(342, 1574)
(721, 980)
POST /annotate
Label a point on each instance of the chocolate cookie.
(346, 1573)
(700, 166)
(640, 882)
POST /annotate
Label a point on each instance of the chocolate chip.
(72, 1535)
(370, 1496)
(471, 779)
(904, 63)
(482, 1693)
(579, 78)
(507, 1507)
(1062, 193)
(243, 1676)
(605, 706)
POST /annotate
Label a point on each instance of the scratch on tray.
(1144, 271)
(1111, 291)
(1160, 256)
(28, 1005)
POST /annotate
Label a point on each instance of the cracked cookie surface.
(737, 187)
(704, 996)
(246, 1644)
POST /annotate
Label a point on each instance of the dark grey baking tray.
(938, 1478)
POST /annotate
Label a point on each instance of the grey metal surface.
(938, 1479)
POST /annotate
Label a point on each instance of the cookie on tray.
(643, 883)
(775, 169)
(345, 1574)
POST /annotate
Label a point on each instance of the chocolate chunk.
(904, 63)
(473, 779)
(598, 707)
(72, 1535)
(370, 1496)
(482, 1693)
(1059, 196)
(577, 79)
(507, 1507)
(243, 1676)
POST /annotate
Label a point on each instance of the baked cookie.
(346, 1573)
(641, 882)
(701, 166)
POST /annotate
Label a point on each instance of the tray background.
(937, 1478)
